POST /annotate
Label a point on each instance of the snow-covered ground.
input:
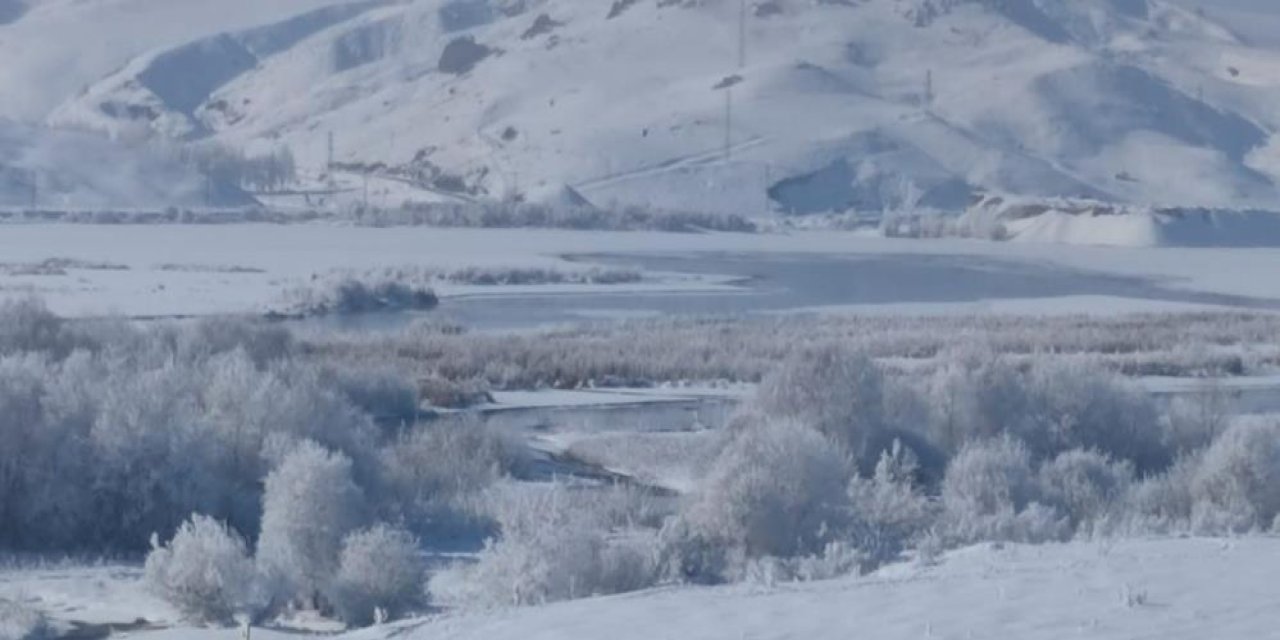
(198, 270)
(1179, 588)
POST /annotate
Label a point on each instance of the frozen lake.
(778, 282)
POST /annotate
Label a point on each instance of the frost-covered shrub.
(26, 324)
(381, 568)
(1089, 487)
(45, 469)
(433, 473)
(1193, 421)
(309, 505)
(206, 573)
(837, 559)
(777, 489)
(357, 296)
(990, 493)
(20, 622)
(1051, 407)
(1163, 503)
(453, 393)
(155, 452)
(837, 392)
(990, 476)
(974, 395)
(380, 392)
(1082, 406)
(1237, 487)
(889, 510)
(263, 343)
(552, 546)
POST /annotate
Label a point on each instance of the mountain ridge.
(868, 105)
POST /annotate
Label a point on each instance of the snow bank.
(1190, 588)
(1097, 223)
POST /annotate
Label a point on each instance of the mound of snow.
(1098, 223)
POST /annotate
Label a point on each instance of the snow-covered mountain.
(797, 105)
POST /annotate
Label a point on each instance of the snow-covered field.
(168, 270)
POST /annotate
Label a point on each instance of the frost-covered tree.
(1237, 486)
(1086, 485)
(990, 476)
(990, 493)
(889, 510)
(835, 391)
(432, 473)
(555, 543)
(1050, 407)
(380, 568)
(309, 505)
(777, 489)
(26, 324)
(206, 573)
(153, 451)
(1082, 406)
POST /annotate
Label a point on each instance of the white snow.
(1178, 589)
(1097, 223)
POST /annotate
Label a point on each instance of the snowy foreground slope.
(866, 105)
(1186, 588)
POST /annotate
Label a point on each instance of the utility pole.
(728, 123)
(329, 165)
(928, 89)
(35, 189)
(728, 92)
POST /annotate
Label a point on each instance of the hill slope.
(868, 105)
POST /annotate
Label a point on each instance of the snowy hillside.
(1190, 589)
(870, 105)
(1167, 589)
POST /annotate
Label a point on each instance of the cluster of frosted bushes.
(271, 474)
(512, 276)
(351, 295)
(486, 215)
(171, 215)
(745, 349)
(836, 464)
(558, 542)
(115, 434)
(517, 215)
